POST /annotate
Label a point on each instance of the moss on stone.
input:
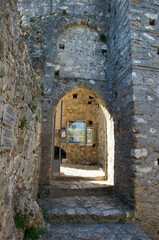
(20, 221)
(32, 233)
(23, 123)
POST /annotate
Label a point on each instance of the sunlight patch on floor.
(81, 170)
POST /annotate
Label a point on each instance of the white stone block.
(139, 153)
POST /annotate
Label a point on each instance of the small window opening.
(151, 21)
(57, 73)
(109, 8)
(74, 95)
(90, 122)
(104, 51)
(90, 97)
(61, 46)
(118, 124)
(157, 50)
(64, 12)
(93, 145)
(158, 161)
(89, 102)
(116, 94)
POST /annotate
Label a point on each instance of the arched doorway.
(84, 130)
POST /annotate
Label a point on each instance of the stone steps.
(99, 209)
(75, 189)
(76, 210)
(91, 231)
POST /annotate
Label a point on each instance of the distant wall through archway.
(85, 104)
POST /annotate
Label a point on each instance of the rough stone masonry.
(20, 128)
(108, 47)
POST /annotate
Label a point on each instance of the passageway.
(80, 203)
(83, 137)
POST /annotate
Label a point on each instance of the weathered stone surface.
(139, 153)
(111, 231)
(19, 164)
(144, 27)
(29, 209)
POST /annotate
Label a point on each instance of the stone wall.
(84, 107)
(102, 138)
(133, 72)
(75, 60)
(20, 161)
(120, 78)
(106, 142)
(144, 25)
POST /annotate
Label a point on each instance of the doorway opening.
(84, 137)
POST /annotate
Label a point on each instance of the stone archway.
(94, 110)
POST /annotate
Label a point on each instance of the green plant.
(23, 123)
(32, 19)
(32, 107)
(102, 37)
(32, 233)
(20, 221)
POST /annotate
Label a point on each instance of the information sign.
(6, 140)
(0, 135)
(77, 132)
(9, 114)
(1, 108)
(63, 135)
(90, 136)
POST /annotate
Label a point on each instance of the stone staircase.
(86, 210)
